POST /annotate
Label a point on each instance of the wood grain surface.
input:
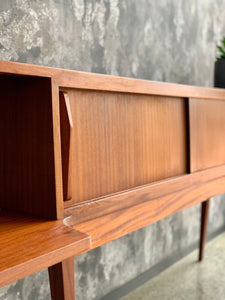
(82, 80)
(123, 201)
(207, 131)
(119, 141)
(121, 222)
(30, 244)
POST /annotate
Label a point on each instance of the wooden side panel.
(115, 141)
(27, 180)
(207, 132)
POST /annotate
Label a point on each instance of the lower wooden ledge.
(31, 244)
(137, 208)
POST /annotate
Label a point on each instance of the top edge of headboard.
(84, 80)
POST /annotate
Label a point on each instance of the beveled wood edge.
(30, 267)
(83, 80)
(38, 263)
(99, 207)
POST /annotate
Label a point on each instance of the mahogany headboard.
(97, 157)
(124, 151)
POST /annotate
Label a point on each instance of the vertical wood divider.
(188, 135)
(57, 149)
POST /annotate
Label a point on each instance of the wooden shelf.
(31, 244)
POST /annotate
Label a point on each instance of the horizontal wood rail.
(112, 217)
(83, 80)
(98, 207)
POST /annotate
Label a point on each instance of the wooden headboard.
(103, 154)
(87, 146)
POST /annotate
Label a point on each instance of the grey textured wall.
(166, 40)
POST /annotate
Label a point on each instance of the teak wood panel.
(116, 141)
(27, 173)
(207, 133)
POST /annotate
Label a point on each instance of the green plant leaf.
(223, 42)
(221, 50)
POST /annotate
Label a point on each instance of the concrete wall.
(166, 40)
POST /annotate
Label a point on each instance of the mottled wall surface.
(166, 40)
